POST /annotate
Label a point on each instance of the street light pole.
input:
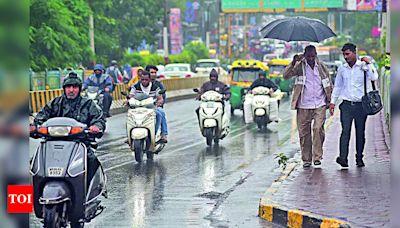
(165, 33)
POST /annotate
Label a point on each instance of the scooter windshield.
(93, 89)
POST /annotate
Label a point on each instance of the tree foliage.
(59, 30)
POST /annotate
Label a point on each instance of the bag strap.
(365, 83)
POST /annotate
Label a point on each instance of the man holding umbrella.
(311, 96)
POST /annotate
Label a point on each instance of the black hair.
(349, 46)
(145, 72)
(262, 73)
(149, 67)
(310, 48)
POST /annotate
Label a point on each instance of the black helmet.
(72, 79)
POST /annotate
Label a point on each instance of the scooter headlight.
(59, 131)
(76, 166)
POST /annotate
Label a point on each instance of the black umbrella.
(297, 29)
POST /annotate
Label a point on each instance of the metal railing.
(384, 86)
(38, 99)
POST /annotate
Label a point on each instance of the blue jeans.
(161, 120)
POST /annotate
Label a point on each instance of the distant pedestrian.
(115, 73)
(311, 96)
(127, 75)
(349, 85)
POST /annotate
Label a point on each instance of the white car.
(160, 72)
(204, 66)
(178, 70)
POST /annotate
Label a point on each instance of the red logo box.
(20, 198)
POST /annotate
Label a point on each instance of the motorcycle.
(261, 107)
(213, 120)
(140, 125)
(59, 171)
(95, 94)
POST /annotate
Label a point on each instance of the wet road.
(188, 184)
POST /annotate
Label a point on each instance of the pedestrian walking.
(349, 86)
(311, 96)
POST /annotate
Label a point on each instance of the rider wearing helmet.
(105, 85)
(71, 104)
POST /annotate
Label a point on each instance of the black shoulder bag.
(371, 101)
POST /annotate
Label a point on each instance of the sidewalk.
(358, 197)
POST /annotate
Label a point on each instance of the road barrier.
(384, 86)
(38, 99)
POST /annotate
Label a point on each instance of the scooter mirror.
(124, 93)
(195, 90)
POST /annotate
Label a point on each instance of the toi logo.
(20, 198)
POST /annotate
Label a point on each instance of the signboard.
(240, 5)
(351, 5)
(254, 5)
(175, 29)
(279, 4)
(323, 3)
(366, 5)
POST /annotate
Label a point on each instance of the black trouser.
(350, 111)
(107, 100)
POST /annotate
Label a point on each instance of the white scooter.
(213, 120)
(264, 108)
(140, 125)
(94, 93)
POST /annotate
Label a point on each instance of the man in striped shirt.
(145, 86)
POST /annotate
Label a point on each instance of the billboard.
(279, 4)
(366, 5)
(323, 3)
(254, 5)
(240, 5)
(175, 29)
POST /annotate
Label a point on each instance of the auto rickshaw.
(276, 68)
(242, 75)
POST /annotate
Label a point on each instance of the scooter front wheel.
(260, 122)
(138, 148)
(209, 136)
(52, 217)
(77, 224)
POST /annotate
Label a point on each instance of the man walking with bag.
(311, 96)
(349, 85)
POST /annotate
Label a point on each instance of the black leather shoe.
(360, 163)
(342, 162)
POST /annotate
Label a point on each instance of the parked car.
(160, 72)
(203, 67)
(178, 70)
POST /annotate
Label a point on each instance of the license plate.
(210, 105)
(55, 171)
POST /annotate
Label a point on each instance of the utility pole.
(387, 24)
(229, 36)
(91, 33)
(91, 29)
(245, 33)
(218, 27)
(165, 33)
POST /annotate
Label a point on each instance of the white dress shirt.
(349, 82)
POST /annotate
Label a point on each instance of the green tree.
(58, 35)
